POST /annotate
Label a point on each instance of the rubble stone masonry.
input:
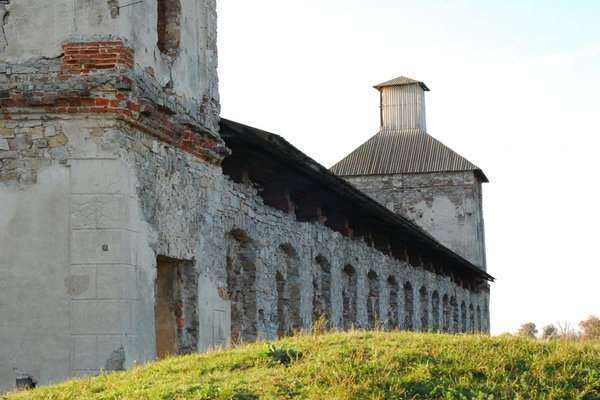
(448, 205)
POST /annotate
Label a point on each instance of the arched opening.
(168, 26)
(478, 319)
(435, 311)
(392, 317)
(349, 296)
(322, 290)
(463, 317)
(471, 319)
(373, 299)
(424, 303)
(408, 307)
(290, 320)
(280, 284)
(454, 307)
(241, 276)
(485, 321)
(445, 313)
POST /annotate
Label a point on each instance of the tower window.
(168, 26)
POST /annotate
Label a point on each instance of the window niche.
(392, 319)
(373, 299)
(168, 25)
(322, 290)
(241, 277)
(349, 283)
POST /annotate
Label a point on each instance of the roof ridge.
(400, 81)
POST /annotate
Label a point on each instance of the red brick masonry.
(89, 57)
(82, 64)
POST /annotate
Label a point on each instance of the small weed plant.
(281, 354)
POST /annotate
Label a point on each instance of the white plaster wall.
(70, 275)
(104, 251)
(33, 29)
(214, 315)
(35, 280)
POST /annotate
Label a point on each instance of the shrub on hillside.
(528, 329)
(590, 327)
(549, 332)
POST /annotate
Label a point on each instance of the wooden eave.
(271, 157)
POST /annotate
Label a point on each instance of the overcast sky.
(515, 88)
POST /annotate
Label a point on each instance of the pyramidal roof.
(404, 148)
(404, 151)
(401, 80)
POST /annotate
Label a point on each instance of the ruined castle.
(135, 223)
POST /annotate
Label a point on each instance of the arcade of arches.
(270, 301)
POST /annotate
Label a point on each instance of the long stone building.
(135, 223)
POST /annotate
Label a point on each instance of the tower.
(417, 176)
(92, 93)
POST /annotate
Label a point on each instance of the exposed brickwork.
(148, 117)
(97, 77)
(84, 58)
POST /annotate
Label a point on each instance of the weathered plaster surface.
(446, 204)
(36, 282)
(68, 258)
(190, 73)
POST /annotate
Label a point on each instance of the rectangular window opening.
(176, 307)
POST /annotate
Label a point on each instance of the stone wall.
(128, 199)
(448, 205)
(75, 284)
(264, 261)
(110, 164)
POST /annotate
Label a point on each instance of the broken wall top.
(33, 29)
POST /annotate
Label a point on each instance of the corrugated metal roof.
(403, 151)
(401, 80)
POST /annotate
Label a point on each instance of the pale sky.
(515, 88)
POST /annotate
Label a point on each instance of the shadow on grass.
(244, 394)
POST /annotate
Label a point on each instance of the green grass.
(358, 365)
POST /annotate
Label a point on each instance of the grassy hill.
(358, 365)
